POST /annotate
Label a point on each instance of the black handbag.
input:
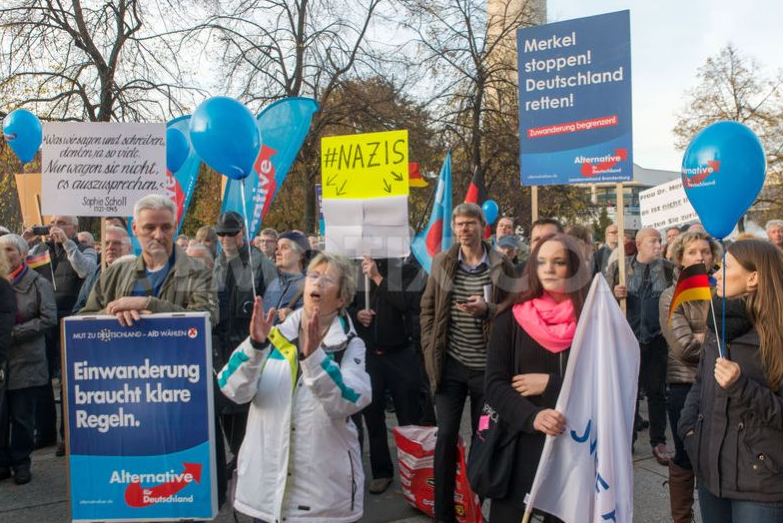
(492, 456)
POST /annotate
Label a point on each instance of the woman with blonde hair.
(732, 423)
(684, 334)
(300, 459)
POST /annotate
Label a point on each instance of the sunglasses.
(228, 233)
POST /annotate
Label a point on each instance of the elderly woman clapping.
(36, 311)
(300, 459)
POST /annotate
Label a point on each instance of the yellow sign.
(372, 165)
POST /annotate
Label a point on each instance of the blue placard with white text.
(575, 101)
(140, 418)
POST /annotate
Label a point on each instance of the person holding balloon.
(732, 423)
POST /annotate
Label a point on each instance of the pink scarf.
(550, 323)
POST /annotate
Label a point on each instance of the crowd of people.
(307, 357)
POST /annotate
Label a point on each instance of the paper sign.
(372, 165)
(377, 227)
(101, 169)
(140, 418)
(666, 205)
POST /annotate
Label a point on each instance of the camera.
(41, 230)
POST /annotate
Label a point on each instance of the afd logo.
(697, 176)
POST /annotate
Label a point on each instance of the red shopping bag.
(415, 459)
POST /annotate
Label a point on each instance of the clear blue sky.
(670, 40)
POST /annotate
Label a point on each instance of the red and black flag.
(477, 193)
(692, 285)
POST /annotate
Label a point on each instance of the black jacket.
(396, 305)
(737, 445)
(512, 351)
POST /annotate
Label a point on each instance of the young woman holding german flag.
(732, 423)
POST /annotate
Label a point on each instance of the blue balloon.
(723, 171)
(225, 135)
(177, 149)
(490, 209)
(22, 131)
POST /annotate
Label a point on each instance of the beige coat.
(688, 321)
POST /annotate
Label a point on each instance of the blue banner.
(575, 101)
(284, 125)
(181, 184)
(140, 418)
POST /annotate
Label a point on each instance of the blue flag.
(436, 237)
(284, 125)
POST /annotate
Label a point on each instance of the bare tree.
(732, 86)
(283, 48)
(92, 60)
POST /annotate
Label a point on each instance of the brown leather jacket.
(436, 304)
(684, 336)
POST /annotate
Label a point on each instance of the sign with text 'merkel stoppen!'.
(140, 418)
(101, 169)
(575, 101)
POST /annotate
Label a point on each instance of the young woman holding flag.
(526, 361)
(732, 423)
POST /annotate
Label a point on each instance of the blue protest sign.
(575, 101)
(140, 418)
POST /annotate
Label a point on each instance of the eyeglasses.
(314, 276)
(221, 234)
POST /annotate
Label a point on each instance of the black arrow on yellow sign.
(397, 177)
(340, 190)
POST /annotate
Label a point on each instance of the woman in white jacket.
(300, 459)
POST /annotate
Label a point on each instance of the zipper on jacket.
(353, 481)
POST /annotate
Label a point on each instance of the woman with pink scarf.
(526, 360)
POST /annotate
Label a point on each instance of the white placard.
(377, 227)
(101, 169)
(666, 205)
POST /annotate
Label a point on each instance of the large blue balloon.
(225, 135)
(22, 131)
(177, 149)
(723, 171)
(490, 209)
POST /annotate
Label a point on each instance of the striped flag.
(437, 236)
(39, 260)
(692, 285)
(415, 179)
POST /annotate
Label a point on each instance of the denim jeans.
(724, 510)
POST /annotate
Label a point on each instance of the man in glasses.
(235, 282)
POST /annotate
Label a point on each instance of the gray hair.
(89, 238)
(773, 223)
(154, 202)
(647, 231)
(269, 232)
(16, 241)
(73, 219)
(469, 209)
(119, 230)
(345, 268)
(679, 244)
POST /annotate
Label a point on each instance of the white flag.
(586, 474)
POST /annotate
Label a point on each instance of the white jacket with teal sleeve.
(300, 459)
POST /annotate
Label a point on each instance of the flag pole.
(621, 244)
(40, 217)
(427, 207)
(715, 324)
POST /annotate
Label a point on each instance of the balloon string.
(721, 350)
(247, 235)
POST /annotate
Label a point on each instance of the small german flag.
(39, 260)
(692, 285)
(415, 179)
